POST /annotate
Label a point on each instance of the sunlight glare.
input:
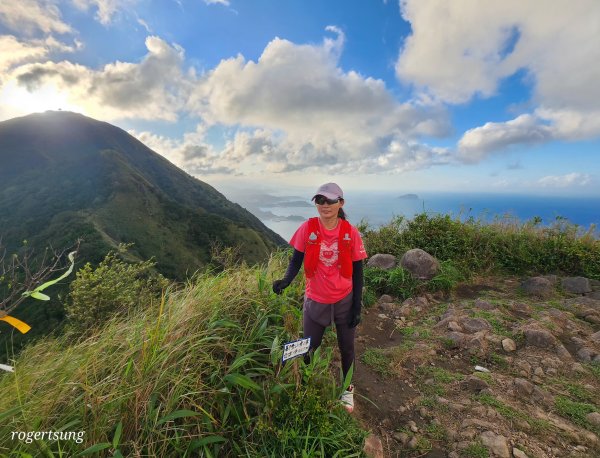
(17, 100)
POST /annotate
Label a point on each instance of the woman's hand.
(280, 285)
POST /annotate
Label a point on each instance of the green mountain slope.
(64, 176)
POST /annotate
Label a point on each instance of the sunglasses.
(322, 200)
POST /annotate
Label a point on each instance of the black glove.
(279, 286)
(354, 318)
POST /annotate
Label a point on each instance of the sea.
(378, 208)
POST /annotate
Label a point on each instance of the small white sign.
(295, 348)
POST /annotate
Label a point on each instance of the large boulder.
(473, 325)
(420, 264)
(382, 261)
(576, 285)
(540, 338)
(537, 287)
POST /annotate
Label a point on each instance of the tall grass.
(503, 246)
(198, 374)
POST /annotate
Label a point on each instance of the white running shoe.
(348, 399)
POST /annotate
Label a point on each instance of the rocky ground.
(502, 367)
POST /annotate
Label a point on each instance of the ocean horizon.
(378, 208)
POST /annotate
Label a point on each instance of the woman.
(332, 251)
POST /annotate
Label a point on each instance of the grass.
(440, 379)
(475, 450)
(595, 369)
(378, 359)
(575, 390)
(498, 325)
(436, 432)
(198, 374)
(576, 412)
(511, 413)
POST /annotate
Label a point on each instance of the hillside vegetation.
(64, 177)
(197, 371)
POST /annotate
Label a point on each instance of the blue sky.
(417, 95)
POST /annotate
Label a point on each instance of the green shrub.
(504, 245)
(113, 287)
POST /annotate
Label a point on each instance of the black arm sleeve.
(357, 284)
(294, 266)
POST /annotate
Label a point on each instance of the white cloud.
(191, 153)
(476, 143)
(105, 9)
(461, 49)
(565, 181)
(307, 112)
(217, 2)
(155, 88)
(29, 16)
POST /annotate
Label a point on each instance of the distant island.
(408, 197)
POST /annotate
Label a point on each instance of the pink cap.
(330, 190)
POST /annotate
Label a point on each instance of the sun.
(18, 100)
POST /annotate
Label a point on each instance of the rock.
(474, 384)
(551, 278)
(523, 387)
(497, 444)
(538, 371)
(576, 285)
(420, 264)
(386, 298)
(478, 423)
(562, 352)
(585, 354)
(593, 418)
(509, 345)
(456, 339)
(382, 261)
(521, 309)
(595, 284)
(576, 367)
(593, 317)
(542, 396)
(483, 305)
(454, 326)
(413, 442)
(593, 295)
(373, 447)
(413, 426)
(582, 301)
(468, 433)
(518, 453)
(473, 325)
(551, 362)
(524, 366)
(477, 344)
(403, 438)
(539, 338)
(537, 287)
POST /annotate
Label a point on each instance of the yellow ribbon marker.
(20, 325)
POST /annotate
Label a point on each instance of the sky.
(419, 95)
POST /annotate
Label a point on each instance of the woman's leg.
(345, 334)
(313, 330)
(345, 338)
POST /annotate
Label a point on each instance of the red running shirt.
(328, 285)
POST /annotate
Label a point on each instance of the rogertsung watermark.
(29, 436)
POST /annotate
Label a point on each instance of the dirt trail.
(419, 393)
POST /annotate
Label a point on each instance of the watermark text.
(29, 436)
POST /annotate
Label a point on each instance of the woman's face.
(328, 211)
